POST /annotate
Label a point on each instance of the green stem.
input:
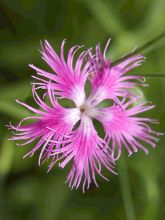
(153, 75)
(126, 190)
(140, 49)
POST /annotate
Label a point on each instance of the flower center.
(88, 110)
(82, 108)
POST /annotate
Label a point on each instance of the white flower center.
(88, 110)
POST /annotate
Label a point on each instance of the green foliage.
(26, 190)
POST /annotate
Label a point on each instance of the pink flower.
(67, 134)
(51, 123)
(67, 81)
(110, 82)
(124, 128)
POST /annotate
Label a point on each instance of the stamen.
(82, 108)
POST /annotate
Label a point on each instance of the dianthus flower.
(68, 134)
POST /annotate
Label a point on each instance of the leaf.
(28, 9)
(6, 157)
(19, 90)
(55, 194)
(105, 14)
(13, 109)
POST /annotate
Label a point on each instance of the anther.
(82, 109)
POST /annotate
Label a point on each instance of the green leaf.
(106, 15)
(13, 109)
(6, 157)
(13, 91)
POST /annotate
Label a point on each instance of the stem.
(126, 190)
(153, 75)
(140, 49)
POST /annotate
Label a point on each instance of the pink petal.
(52, 123)
(67, 80)
(110, 83)
(88, 153)
(124, 128)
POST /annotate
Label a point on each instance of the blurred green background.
(26, 190)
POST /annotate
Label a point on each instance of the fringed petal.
(67, 80)
(88, 153)
(125, 129)
(111, 83)
(51, 123)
